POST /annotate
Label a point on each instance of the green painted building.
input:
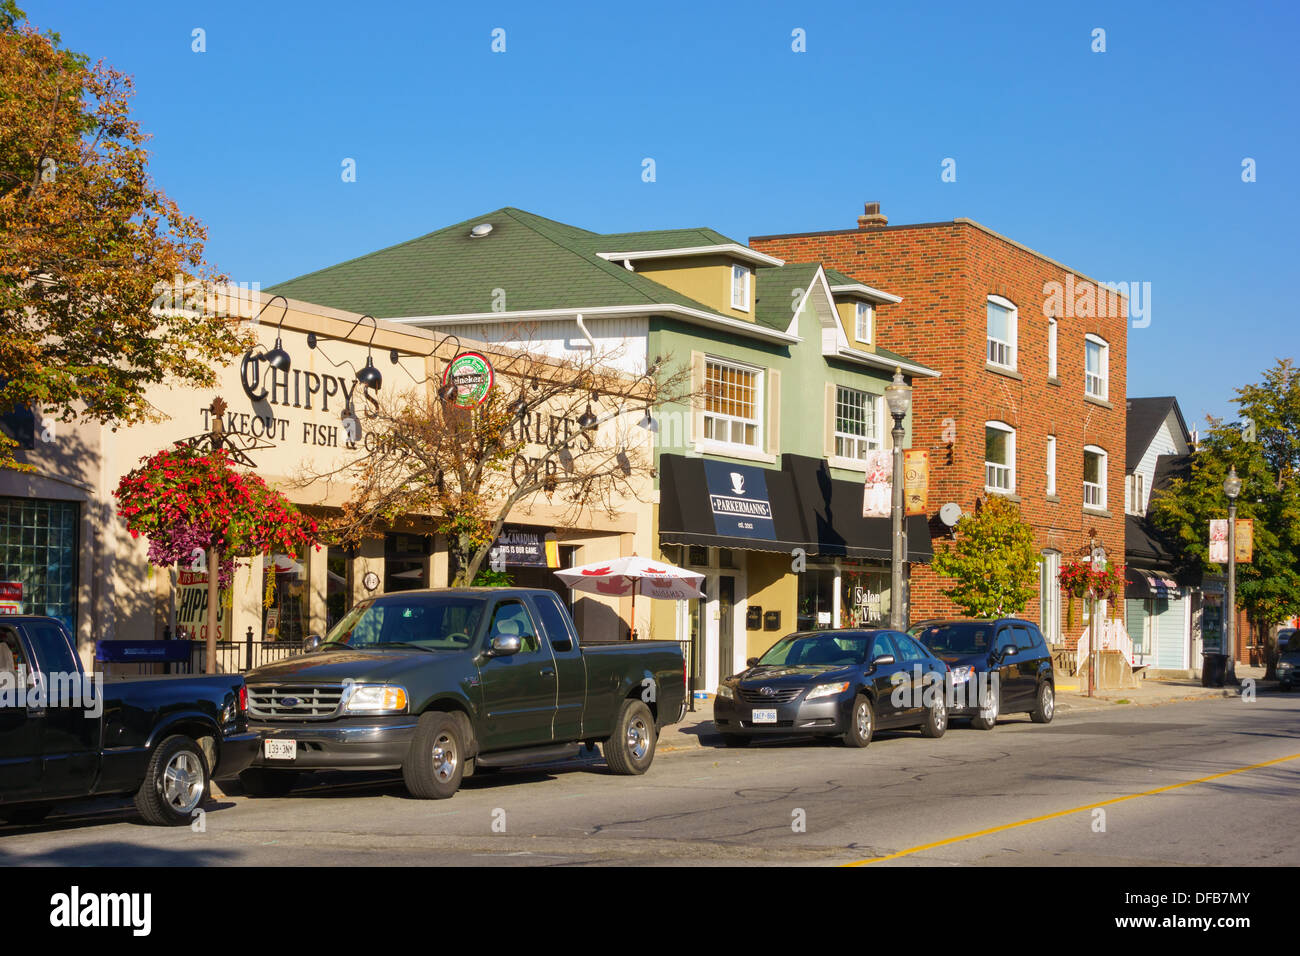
(760, 478)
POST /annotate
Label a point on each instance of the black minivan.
(997, 667)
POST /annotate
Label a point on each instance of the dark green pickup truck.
(441, 682)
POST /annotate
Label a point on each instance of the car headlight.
(1284, 665)
(725, 691)
(827, 690)
(961, 675)
(376, 699)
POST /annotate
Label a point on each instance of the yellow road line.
(1065, 813)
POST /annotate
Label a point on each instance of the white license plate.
(762, 717)
(280, 749)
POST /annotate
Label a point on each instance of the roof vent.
(481, 230)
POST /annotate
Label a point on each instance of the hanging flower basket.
(1079, 579)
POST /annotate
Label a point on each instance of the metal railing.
(236, 657)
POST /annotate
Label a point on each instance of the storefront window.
(864, 595)
(405, 562)
(816, 597)
(338, 585)
(38, 549)
(286, 617)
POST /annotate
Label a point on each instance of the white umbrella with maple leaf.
(632, 575)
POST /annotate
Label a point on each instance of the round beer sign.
(470, 374)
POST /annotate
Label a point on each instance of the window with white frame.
(865, 314)
(1096, 371)
(999, 457)
(732, 404)
(1051, 348)
(1134, 493)
(1051, 464)
(1002, 317)
(857, 417)
(1094, 477)
(740, 279)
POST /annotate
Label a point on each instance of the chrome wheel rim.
(638, 738)
(182, 782)
(1049, 701)
(940, 716)
(990, 711)
(444, 757)
(863, 720)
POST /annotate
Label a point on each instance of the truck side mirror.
(312, 644)
(504, 645)
(752, 662)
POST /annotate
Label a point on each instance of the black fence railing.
(236, 657)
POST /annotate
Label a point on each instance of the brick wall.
(945, 272)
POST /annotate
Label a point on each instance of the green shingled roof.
(774, 301)
(539, 263)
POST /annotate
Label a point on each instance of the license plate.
(763, 717)
(280, 749)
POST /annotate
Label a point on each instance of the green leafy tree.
(993, 561)
(1263, 444)
(87, 241)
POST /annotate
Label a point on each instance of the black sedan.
(998, 667)
(841, 683)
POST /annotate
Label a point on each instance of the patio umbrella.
(632, 576)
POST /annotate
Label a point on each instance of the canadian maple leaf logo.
(596, 571)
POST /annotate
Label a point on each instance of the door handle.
(547, 672)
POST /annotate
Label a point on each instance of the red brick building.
(1031, 402)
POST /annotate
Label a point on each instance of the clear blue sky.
(1125, 164)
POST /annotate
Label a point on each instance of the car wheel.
(435, 764)
(1285, 687)
(25, 816)
(862, 723)
(259, 782)
(987, 718)
(630, 749)
(1044, 705)
(736, 740)
(936, 720)
(175, 783)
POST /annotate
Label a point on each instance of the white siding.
(1167, 441)
(623, 339)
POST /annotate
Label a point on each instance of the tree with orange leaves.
(86, 242)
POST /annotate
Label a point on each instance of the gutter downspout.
(585, 334)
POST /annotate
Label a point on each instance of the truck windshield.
(431, 622)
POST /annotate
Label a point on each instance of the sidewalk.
(696, 729)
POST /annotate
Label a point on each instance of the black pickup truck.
(66, 734)
(442, 682)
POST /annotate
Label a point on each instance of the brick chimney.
(871, 217)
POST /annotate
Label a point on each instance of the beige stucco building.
(62, 543)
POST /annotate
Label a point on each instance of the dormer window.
(740, 282)
(865, 318)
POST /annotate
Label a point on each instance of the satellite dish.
(950, 513)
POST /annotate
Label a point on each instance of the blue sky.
(1126, 165)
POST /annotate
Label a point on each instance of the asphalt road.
(1021, 794)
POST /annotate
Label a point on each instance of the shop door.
(726, 625)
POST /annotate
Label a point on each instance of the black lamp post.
(898, 396)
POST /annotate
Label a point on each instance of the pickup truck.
(66, 734)
(441, 682)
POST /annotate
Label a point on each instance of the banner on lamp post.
(916, 481)
(1219, 540)
(1245, 540)
(878, 488)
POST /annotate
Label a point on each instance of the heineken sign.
(470, 375)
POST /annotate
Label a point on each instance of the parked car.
(1288, 661)
(160, 738)
(998, 667)
(834, 683)
(439, 683)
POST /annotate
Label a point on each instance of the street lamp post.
(898, 396)
(1231, 488)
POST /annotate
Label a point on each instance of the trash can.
(1214, 670)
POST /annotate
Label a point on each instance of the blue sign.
(142, 652)
(739, 502)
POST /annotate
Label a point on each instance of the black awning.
(810, 510)
(686, 512)
(832, 511)
(1141, 583)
